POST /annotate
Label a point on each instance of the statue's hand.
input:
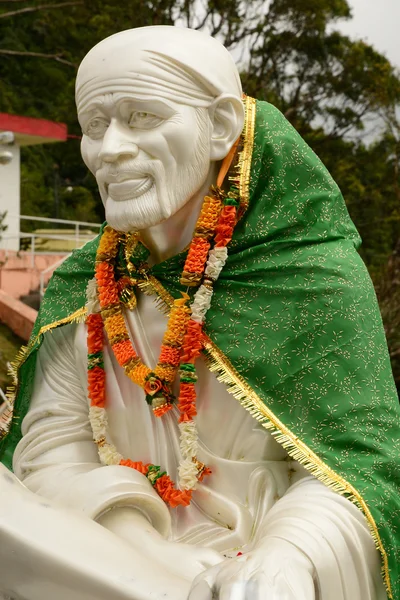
(187, 560)
(183, 560)
(275, 571)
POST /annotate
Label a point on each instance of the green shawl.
(294, 329)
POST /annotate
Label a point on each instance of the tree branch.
(39, 55)
(28, 9)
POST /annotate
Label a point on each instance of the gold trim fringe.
(245, 156)
(237, 386)
(234, 382)
(5, 420)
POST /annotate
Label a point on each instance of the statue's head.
(158, 107)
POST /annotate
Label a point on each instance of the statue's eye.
(96, 128)
(144, 120)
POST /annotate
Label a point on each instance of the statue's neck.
(173, 235)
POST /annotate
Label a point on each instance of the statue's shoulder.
(266, 108)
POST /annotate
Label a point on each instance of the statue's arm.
(332, 533)
(57, 458)
(50, 553)
(312, 544)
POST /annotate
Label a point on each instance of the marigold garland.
(181, 345)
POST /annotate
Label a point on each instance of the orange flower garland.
(200, 245)
(158, 395)
(182, 342)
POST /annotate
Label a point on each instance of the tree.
(330, 87)
(313, 73)
(7, 14)
(389, 302)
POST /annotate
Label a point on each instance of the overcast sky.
(378, 22)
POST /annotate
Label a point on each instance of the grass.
(9, 346)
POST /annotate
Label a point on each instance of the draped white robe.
(256, 492)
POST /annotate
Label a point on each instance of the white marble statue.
(160, 108)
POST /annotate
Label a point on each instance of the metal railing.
(78, 237)
(35, 250)
(76, 224)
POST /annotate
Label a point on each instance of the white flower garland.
(201, 303)
(188, 444)
(99, 422)
(92, 304)
(216, 261)
(189, 466)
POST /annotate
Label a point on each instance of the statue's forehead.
(142, 74)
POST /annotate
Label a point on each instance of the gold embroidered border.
(236, 385)
(22, 355)
(244, 163)
(241, 171)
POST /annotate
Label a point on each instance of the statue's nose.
(116, 145)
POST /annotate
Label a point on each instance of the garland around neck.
(182, 342)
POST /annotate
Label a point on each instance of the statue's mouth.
(129, 188)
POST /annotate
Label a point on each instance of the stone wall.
(20, 273)
(16, 315)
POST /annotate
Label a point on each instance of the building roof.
(29, 131)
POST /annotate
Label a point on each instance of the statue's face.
(149, 156)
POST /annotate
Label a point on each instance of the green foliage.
(389, 302)
(314, 74)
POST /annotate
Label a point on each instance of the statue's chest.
(146, 325)
(132, 423)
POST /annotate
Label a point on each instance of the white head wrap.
(183, 65)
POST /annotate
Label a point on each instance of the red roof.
(30, 131)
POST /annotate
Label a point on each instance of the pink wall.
(17, 316)
(18, 278)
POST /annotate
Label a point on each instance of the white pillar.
(10, 197)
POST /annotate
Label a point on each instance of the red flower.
(124, 351)
(159, 412)
(187, 402)
(152, 385)
(95, 333)
(165, 488)
(96, 386)
(138, 466)
(193, 342)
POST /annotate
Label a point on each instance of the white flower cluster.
(216, 261)
(187, 474)
(107, 452)
(92, 304)
(109, 455)
(188, 446)
(201, 303)
(98, 421)
(202, 298)
(188, 439)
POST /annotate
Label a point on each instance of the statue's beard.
(170, 191)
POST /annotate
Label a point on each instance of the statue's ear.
(227, 118)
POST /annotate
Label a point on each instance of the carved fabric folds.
(294, 327)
